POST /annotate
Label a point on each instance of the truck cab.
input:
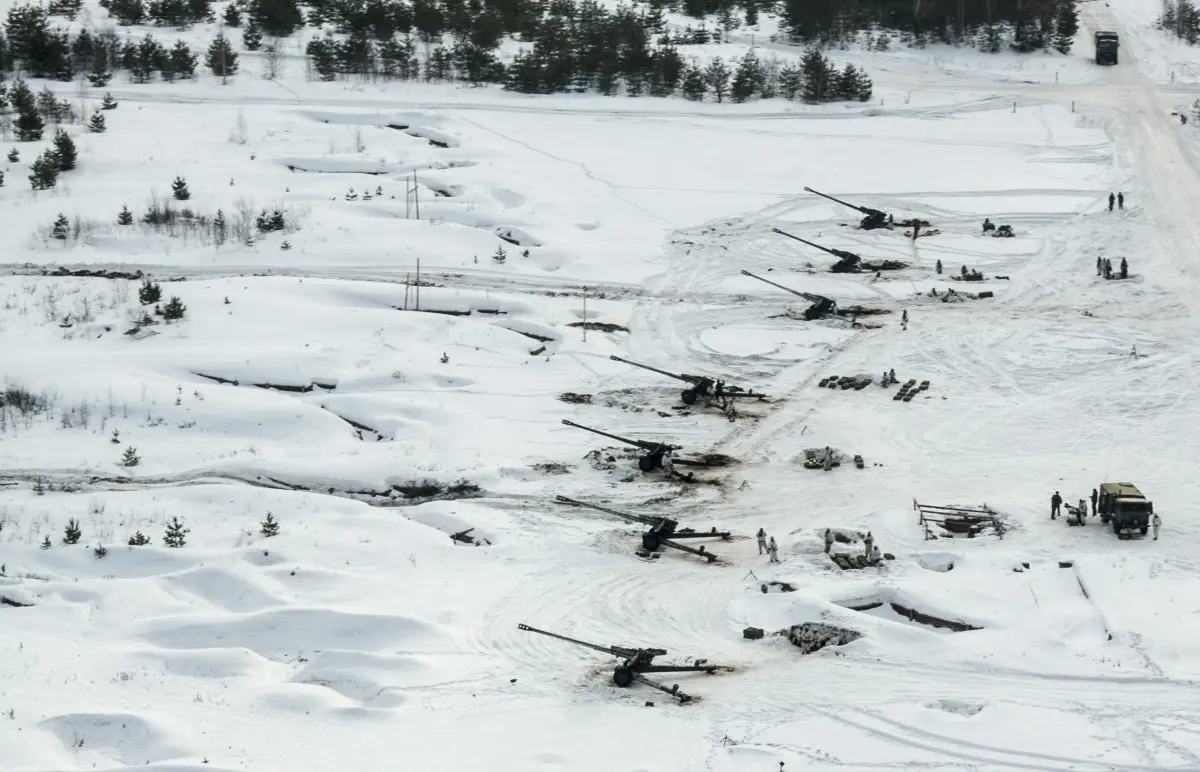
(1107, 44)
(1125, 507)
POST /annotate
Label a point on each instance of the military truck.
(1125, 507)
(1107, 44)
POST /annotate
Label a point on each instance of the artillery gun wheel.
(650, 542)
(688, 396)
(647, 463)
(623, 677)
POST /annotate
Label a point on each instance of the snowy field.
(377, 382)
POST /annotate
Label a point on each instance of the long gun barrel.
(616, 651)
(805, 295)
(643, 444)
(679, 377)
(653, 521)
(864, 209)
(838, 253)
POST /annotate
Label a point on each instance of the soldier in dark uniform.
(1055, 503)
(1111, 200)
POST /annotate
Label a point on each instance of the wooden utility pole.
(418, 284)
(585, 314)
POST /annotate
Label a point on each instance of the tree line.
(990, 25)
(570, 46)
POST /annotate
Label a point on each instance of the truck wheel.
(688, 397)
(1116, 527)
(647, 463)
(1144, 529)
(622, 677)
(650, 542)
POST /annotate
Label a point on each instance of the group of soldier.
(767, 545)
(1104, 267)
(1056, 502)
(1118, 199)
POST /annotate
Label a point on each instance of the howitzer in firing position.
(874, 218)
(821, 305)
(655, 451)
(636, 663)
(848, 262)
(664, 532)
(712, 391)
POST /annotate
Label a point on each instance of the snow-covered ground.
(385, 382)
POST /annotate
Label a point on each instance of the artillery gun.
(873, 219)
(848, 262)
(664, 532)
(655, 451)
(714, 392)
(821, 305)
(636, 663)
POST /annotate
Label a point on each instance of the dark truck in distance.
(1125, 506)
(1107, 44)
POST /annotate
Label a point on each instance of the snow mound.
(937, 561)
(117, 737)
(365, 678)
(284, 634)
(207, 663)
(957, 707)
(223, 590)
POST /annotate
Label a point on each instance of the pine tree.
(64, 150)
(13, 156)
(269, 526)
(252, 36)
(219, 229)
(865, 86)
(232, 17)
(1066, 26)
(1, 179)
(179, 189)
(176, 535)
(149, 293)
(100, 551)
(694, 86)
(72, 534)
(816, 75)
(748, 78)
(280, 18)
(125, 217)
(29, 124)
(100, 73)
(790, 81)
(44, 171)
(46, 543)
(139, 539)
(109, 103)
(96, 123)
(174, 309)
(130, 458)
(716, 76)
(220, 58)
(183, 61)
(845, 86)
(62, 228)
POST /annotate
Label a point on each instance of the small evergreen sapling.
(62, 228)
(46, 543)
(126, 218)
(176, 535)
(130, 458)
(179, 189)
(72, 534)
(64, 150)
(96, 123)
(44, 171)
(174, 309)
(220, 57)
(1, 179)
(109, 103)
(139, 539)
(100, 551)
(29, 124)
(252, 36)
(13, 156)
(149, 293)
(269, 526)
(232, 17)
